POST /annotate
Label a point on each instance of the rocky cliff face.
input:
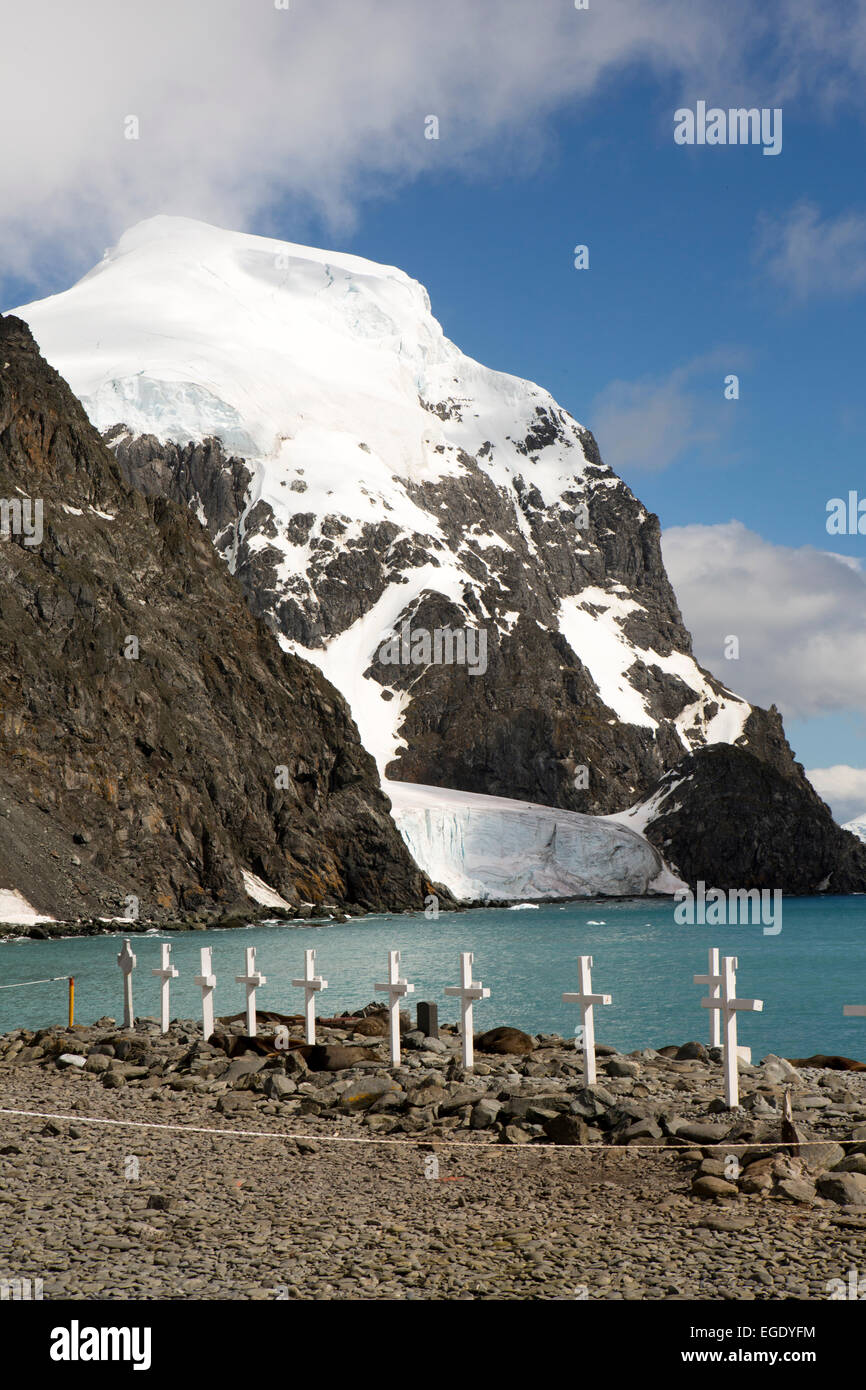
(725, 816)
(544, 585)
(155, 743)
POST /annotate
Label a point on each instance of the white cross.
(729, 1006)
(252, 979)
(713, 978)
(207, 983)
(166, 972)
(467, 992)
(310, 984)
(854, 1010)
(587, 1001)
(396, 989)
(127, 962)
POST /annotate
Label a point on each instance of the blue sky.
(703, 260)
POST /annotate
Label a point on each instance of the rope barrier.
(425, 1143)
(52, 979)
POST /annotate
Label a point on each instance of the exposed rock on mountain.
(145, 711)
(724, 816)
(359, 473)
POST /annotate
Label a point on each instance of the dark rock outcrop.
(154, 740)
(525, 728)
(732, 820)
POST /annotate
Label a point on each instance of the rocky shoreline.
(511, 1181)
(313, 913)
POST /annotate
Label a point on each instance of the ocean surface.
(528, 957)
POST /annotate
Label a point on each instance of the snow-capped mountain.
(857, 826)
(367, 481)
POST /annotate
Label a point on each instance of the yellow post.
(71, 1000)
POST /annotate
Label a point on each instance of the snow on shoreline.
(261, 892)
(17, 911)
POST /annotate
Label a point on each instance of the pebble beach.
(239, 1169)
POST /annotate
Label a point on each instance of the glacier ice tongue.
(486, 848)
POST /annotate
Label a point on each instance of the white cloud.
(799, 615)
(243, 106)
(843, 788)
(647, 425)
(811, 255)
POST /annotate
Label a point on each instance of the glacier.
(487, 848)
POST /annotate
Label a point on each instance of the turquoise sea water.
(642, 957)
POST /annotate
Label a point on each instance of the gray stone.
(484, 1113)
(705, 1186)
(621, 1066)
(797, 1190)
(567, 1129)
(778, 1070)
(277, 1086)
(821, 1155)
(97, 1061)
(696, 1132)
(516, 1134)
(854, 1163)
(712, 1168)
(361, 1094)
(724, 1224)
(71, 1059)
(848, 1189)
(458, 1097)
(591, 1102)
(234, 1102)
(243, 1066)
(639, 1129)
